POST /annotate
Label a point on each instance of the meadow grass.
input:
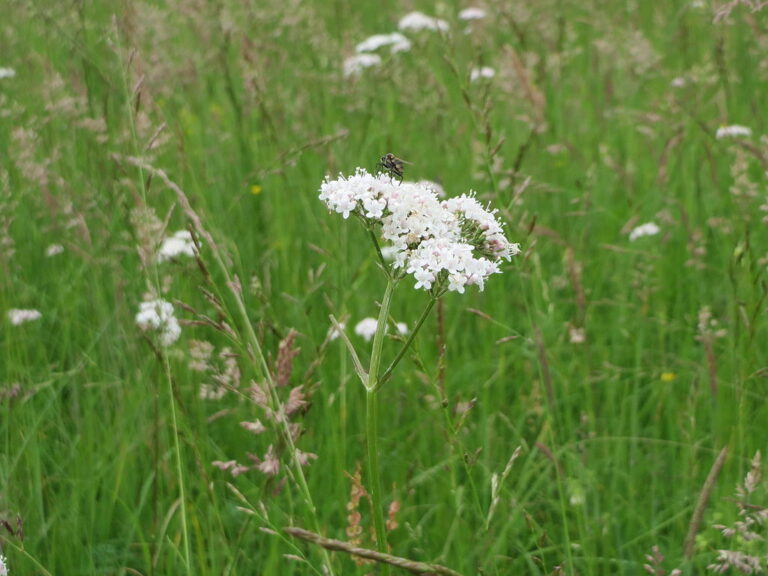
(620, 368)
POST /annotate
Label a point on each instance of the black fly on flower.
(392, 165)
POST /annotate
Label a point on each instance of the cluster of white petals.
(158, 315)
(7, 73)
(366, 328)
(472, 13)
(452, 243)
(418, 21)
(647, 229)
(734, 131)
(17, 316)
(180, 244)
(485, 72)
(54, 250)
(396, 42)
(3, 567)
(354, 65)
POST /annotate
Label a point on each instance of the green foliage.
(591, 351)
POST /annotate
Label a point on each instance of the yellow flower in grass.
(668, 376)
(255, 189)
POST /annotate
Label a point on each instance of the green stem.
(376, 245)
(372, 422)
(378, 339)
(388, 372)
(374, 480)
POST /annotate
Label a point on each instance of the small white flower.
(577, 335)
(53, 250)
(434, 186)
(158, 315)
(354, 65)
(648, 229)
(485, 72)
(180, 244)
(396, 42)
(678, 82)
(733, 131)
(366, 328)
(333, 333)
(472, 13)
(3, 566)
(21, 316)
(402, 328)
(417, 21)
(7, 73)
(389, 252)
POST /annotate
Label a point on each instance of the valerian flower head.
(396, 42)
(366, 328)
(472, 13)
(733, 131)
(180, 244)
(416, 21)
(354, 65)
(158, 315)
(443, 245)
(17, 316)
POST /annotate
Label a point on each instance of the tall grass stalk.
(251, 344)
(131, 103)
(372, 419)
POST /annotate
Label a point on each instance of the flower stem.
(374, 480)
(372, 422)
(388, 372)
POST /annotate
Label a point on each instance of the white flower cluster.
(453, 243)
(734, 131)
(18, 317)
(647, 229)
(417, 21)
(472, 13)
(396, 42)
(366, 328)
(158, 315)
(180, 244)
(3, 567)
(485, 72)
(354, 65)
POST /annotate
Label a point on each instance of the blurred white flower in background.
(354, 65)
(333, 333)
(17, 316)
(733, 131)
(7, 73)
(647, 229)
(366, 328)
(180, 244)
(396, 42)
(485, 72)
(416, 21)
(158, 315)
(54, 250)
(472, 13)
(3, 566)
